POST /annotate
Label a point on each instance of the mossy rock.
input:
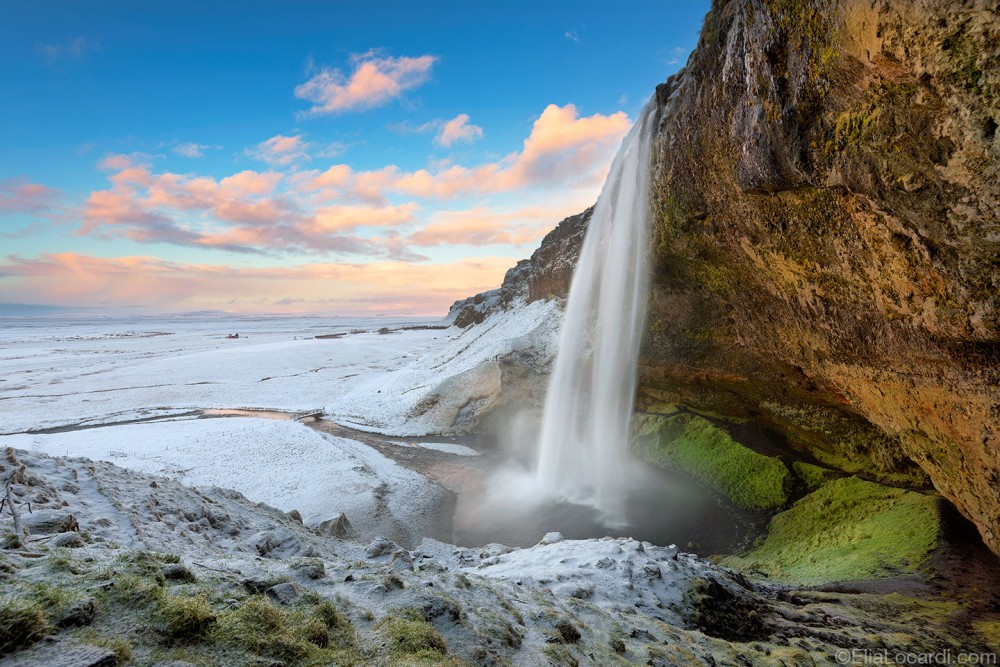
(693, 445)
(847, 529)
(812, 476)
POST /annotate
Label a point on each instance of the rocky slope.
(827, 238)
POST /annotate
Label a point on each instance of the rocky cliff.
(545, 275)
(827, 244)
(827, 236)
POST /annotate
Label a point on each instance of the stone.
(380, 547)
(286, 593)
(44, 522)
(311, 568)
(81, 613)
(70, 540)
(401, 560)
(337, 526)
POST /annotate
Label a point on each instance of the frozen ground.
(430, 394)
(282, 463)
(127, 391)
(57, 372)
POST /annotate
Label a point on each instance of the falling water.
(588, 406)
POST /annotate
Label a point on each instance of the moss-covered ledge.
(847, 529)
(692, 445)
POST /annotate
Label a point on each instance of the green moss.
(848, 529)
(692, 445)
(812, 477)
(990, 630)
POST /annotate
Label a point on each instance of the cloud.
(75, 48)
(572, 36)
(458, 129)
(343, 288)
(563, 149)
(340, 218)
(245, 212)
(281, 150)
(18, 195)
(192, 150)
(374, 80)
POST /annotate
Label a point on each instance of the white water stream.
(588, 406)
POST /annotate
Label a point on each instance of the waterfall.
(588, 405)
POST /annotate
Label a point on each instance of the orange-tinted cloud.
(563, 149)
(374, 81)
(458, 129)
(376, 287)
(341, 218)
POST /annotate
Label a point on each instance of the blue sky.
(305, 156)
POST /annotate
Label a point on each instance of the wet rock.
(295, 516)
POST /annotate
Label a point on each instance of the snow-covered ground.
(282, 463)
(74, 387)
(427, 395)
(68, 372)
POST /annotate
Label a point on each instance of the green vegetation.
(847, 529)
(186, 618)
(22, 623)
(692, 445)
(812, 477)
(410, 637)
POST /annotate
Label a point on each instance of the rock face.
(827, 240)
(545, 275)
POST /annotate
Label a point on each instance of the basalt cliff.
(827, 239)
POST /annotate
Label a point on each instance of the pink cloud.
(339, 218)
(18, 195)
(281, 150)
(374, 81)
(458, 129)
